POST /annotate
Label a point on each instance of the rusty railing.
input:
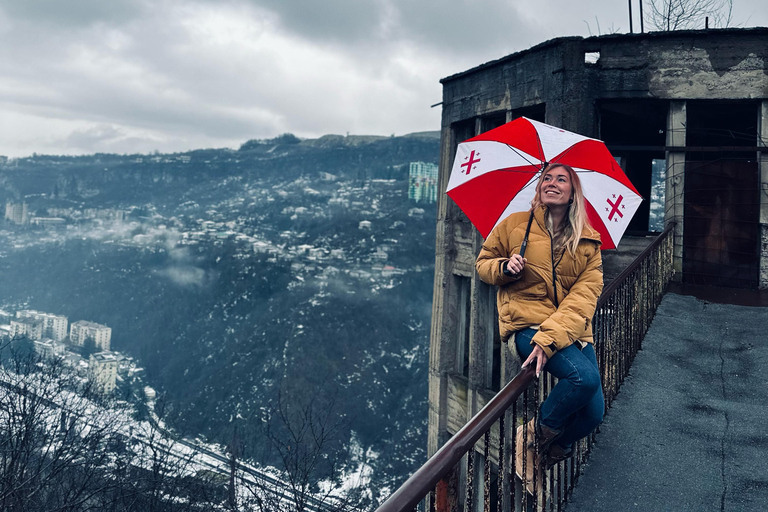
(451, 478)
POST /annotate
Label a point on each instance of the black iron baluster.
(536, 462)
(487, 472)
(469, 503)
(513, 457)
(500, 478)
(523, 448)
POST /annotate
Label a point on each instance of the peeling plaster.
(697, 77)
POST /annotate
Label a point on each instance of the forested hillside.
(288, 274)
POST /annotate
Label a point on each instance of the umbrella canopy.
(495, 173)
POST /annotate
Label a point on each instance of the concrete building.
(422, 182)
(686, 115)
(17, 213)
(102, 370)
(53, 326)
(32, 329)
(82, 329)
(49, 348)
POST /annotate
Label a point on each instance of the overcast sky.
(126, 76)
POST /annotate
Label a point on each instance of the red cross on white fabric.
(470, 162)
(615, 208)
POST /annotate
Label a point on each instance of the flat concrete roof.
(606, 38)
(687, 431)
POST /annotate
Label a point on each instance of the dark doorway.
(720, 239)
(722, 201)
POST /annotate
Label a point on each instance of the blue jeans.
(575, 405)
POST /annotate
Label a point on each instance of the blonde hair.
(577, 212)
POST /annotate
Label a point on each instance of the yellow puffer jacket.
(560, 297)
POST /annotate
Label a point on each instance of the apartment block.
(102, 369)
(17, 213)
(422, 182)
(32, 329)
(82, 329)
(49, 348)
(52, 326)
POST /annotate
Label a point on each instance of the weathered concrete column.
(763, 159)
(675, 183)
(442, 350)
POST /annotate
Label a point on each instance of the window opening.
(635, 132)
(492, 121)
(535, 112)
(721, 231)
(591, 58)
(464, 307)
(658, 194)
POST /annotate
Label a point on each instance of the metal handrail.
(426, 477)
(613, 285)
(414, 489)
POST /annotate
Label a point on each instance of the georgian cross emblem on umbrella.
(494, 175)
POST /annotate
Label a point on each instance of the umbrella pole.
(525, 240)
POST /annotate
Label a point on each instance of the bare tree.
(160, 473)
(303, 434)
(54, 438)
(66, 447)
(688, 14)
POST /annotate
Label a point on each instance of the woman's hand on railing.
(539, 356)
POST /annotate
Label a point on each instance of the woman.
(546, 302)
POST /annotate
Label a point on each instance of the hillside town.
(250, 220)
(246, 223)
(53, 336)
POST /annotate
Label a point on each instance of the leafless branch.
(671, 15)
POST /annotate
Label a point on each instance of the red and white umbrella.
(495, 173)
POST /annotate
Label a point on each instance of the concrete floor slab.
(688, 430)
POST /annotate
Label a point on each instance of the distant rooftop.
(86, 323)
(104, 356)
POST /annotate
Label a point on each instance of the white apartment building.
(422, 182)
(17, 213)
(49, 348)
(82, 329)
(53, 326)
(28, 327)
(102, 369)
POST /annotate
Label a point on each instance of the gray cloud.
(453, 26)
(102, 137)
(330, 20)
(138, 75)
(74, 13)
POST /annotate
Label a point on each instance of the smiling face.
(556, 187)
